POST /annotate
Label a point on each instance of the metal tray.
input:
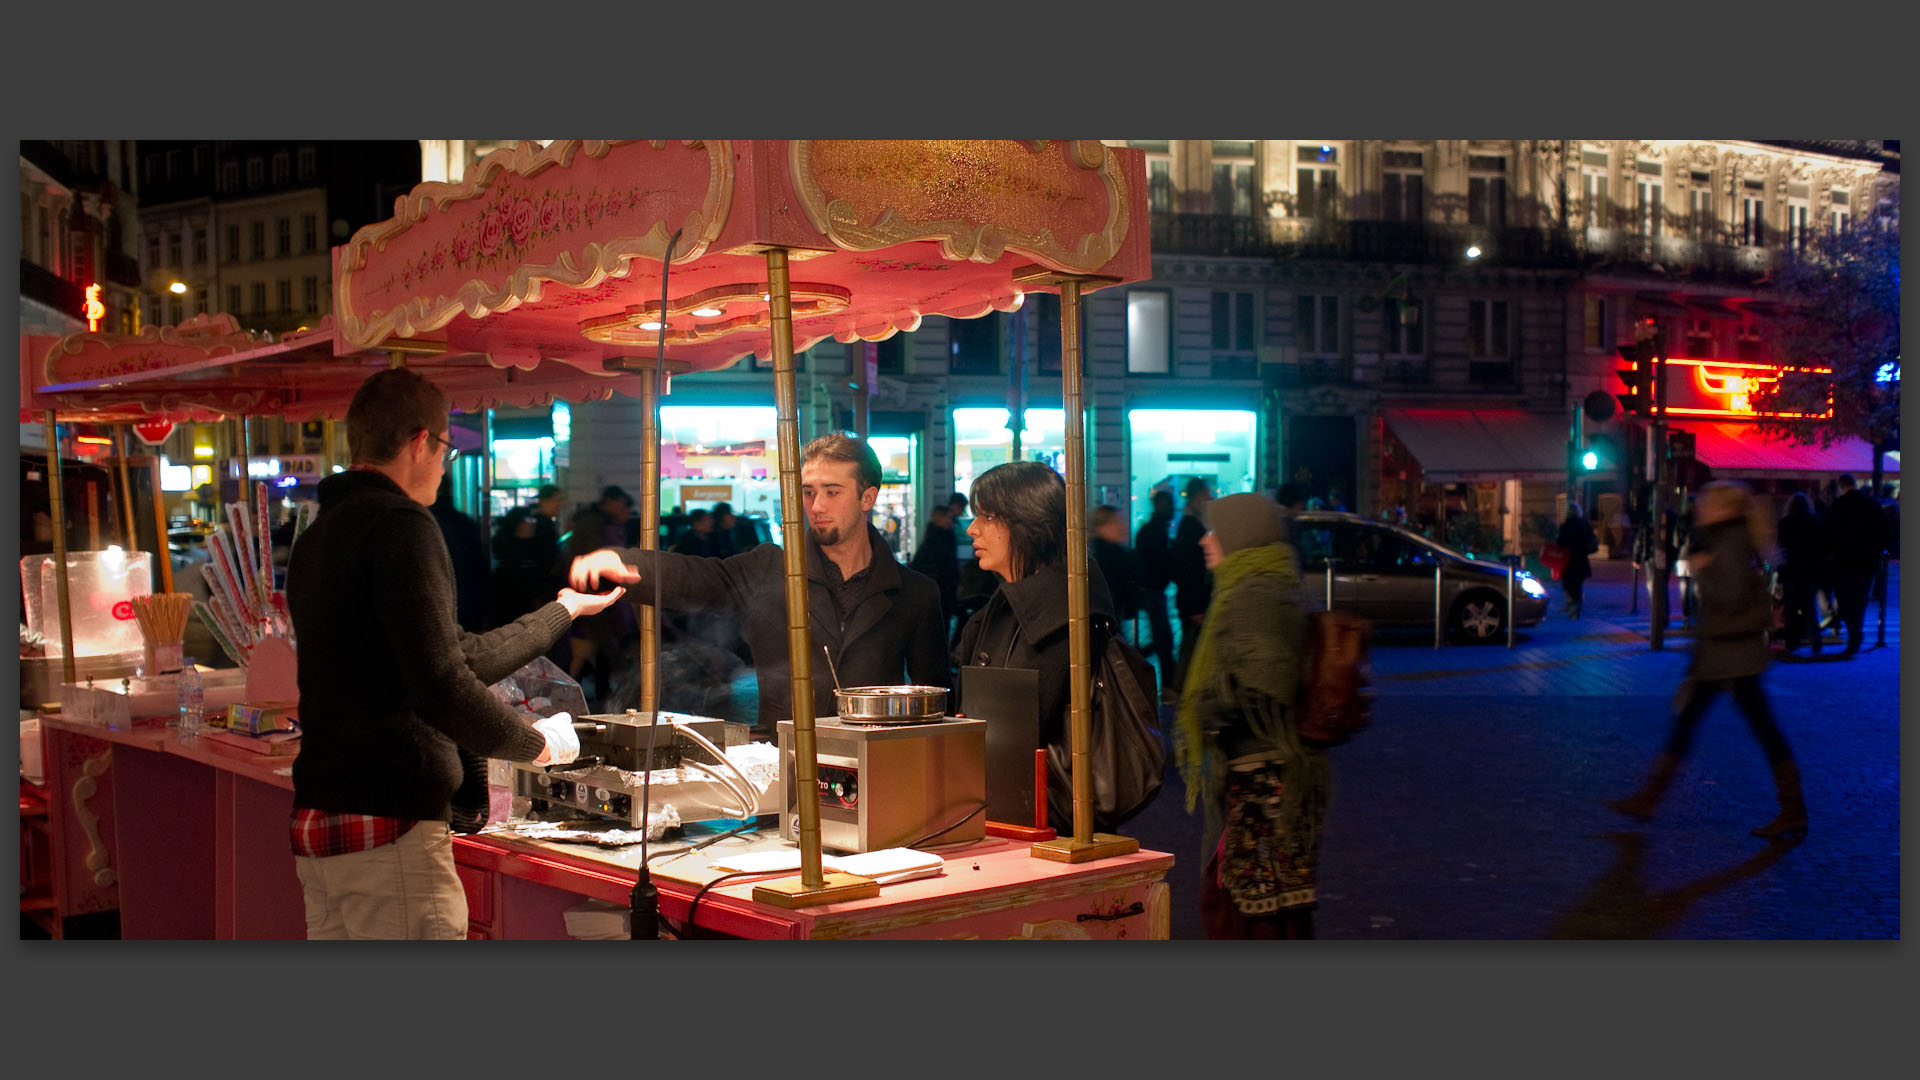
(891, 704)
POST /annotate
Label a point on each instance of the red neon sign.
(1727, 388)
(95, 310)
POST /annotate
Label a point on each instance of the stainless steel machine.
(606, 779)
(891, 785)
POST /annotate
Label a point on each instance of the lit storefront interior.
(981, 440)
(895, 511)
(720, 453)
(1172, 446)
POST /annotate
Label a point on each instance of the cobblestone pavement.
(1473, 807)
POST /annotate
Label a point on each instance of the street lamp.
(178, 288)
(1473, 251)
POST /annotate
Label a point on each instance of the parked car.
(1386, 573)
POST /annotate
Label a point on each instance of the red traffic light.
(1637, 377)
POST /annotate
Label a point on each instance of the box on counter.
(260, 717)
(271, 743)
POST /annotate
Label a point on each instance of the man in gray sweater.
(394, 705)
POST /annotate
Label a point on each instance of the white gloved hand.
(563, 743)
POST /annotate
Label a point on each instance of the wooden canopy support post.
(1085, 845)
(130, 538)
(165, 555)
(812, 887)
(57, 506)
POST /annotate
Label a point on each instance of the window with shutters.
(1316, 327)
(1149, 331)
(1488, 332)
(1402, 186)
(1487, 191)
(1316, 190)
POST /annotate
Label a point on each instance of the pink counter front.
(194, 843)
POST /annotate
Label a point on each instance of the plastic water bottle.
(191, 698)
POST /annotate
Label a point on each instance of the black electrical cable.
(644, 903)
(693, 906)
(971, 814)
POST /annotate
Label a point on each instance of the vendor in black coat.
(881, 619)
(1019, 532)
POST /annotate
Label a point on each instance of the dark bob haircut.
(1030, 499)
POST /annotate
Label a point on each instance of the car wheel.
(1480, 616)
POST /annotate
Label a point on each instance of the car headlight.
(1532, 587)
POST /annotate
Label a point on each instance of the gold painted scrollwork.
(595, 261)
(966, 238)
(99, 859)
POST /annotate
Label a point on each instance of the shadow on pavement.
(1620, 906)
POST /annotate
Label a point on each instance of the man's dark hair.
(958, 502)
(1030, 499)
(547, 491)
(1103, 514)
(722, 508)
(615, 492)
(391, 407)
(697, 517)
(1199, 486)
(1847, 481)
(1163, 500)
(839, 446)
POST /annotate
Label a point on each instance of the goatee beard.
(828, 536)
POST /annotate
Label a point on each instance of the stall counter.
(194, 842)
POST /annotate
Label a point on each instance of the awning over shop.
(1460, 445)
(1734, 449)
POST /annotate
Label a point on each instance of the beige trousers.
(403, 890)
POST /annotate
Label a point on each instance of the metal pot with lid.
(891, 704)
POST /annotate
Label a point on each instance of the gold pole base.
(793, 892)
(1068, 850)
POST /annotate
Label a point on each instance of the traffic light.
(1637, 376)
(1679, 445)
(1600, 453)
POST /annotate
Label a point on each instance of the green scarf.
(1205, 678)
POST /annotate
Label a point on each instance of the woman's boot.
(1793, 803)
(1640, 804)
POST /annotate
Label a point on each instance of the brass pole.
(1079, 651)
(58, 506)
(649, 540)
(165, 555)
(813, 887)
(799, 639)
(1085, 844)
(131, 540)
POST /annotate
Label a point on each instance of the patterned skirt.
(1267, 857)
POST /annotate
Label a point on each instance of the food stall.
(585, 268)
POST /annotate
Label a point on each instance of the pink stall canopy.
(538, 277)
(554, 253)
(208, 368)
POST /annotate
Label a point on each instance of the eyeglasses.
(452, 451)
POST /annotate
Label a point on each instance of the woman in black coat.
(1577, 537)
(1019, 533)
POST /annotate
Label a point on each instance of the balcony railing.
(51, 289)
(1415, 242)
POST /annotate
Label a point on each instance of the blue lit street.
(1474, 806)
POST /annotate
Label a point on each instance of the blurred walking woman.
(1729, 651)
(1019, 533)
(1265, 791)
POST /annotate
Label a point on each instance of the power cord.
(971, 814)
(685, 933)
